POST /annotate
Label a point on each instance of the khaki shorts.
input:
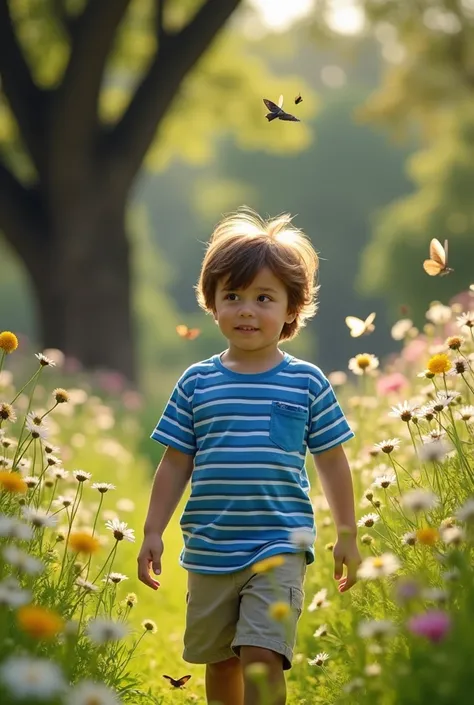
(225, 612)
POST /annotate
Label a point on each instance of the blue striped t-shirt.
(248, 434)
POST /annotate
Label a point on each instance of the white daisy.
(11, 527)
(363, 363)
(465, 413)
(12, 595)
(321, 631)
(378, 566)
(453, 535)
(102, 487)
(36, 678)
(37, 431)
(434, 450)
(31, 481)
(45, 361)
(102, 631)
(149, 626)
(418, 500)
(120, 531)
(439, 314)
(466, 320)
(90, 693)
(114, 578)
(319, 660)
(409, 539)
(39, 518)
(22, 560)
(404, 411)
(302, 538)
(400, 328)
(466, 512)
(388, 445)
(319, 601)
(368, 520)
(375, 628)
(81, 475)
(383, 482)
(86, 585)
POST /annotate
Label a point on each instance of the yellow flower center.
(8, 341)
(439, 364)
(363, 361)
(378, 562)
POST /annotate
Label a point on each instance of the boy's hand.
(347, 554)
(150, 557)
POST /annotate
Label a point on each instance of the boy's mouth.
(246, 329)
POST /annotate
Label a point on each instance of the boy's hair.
(243, 243)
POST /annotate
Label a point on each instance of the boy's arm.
(336, 480)
(170, 481)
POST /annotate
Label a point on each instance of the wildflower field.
(76, 626)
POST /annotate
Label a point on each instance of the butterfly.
(178, 683)
(438, 262)
(188, 333)
(276, 111)
(359, 327)
(298, 99)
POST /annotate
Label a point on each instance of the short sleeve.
(328, 425)
(175, 427)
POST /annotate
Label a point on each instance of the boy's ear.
(290, 318)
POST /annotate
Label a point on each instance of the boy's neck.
(251, 361)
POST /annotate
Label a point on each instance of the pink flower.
(434, 625)
(391, 383)
(414, 350)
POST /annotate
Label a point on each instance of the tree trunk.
(84, 292)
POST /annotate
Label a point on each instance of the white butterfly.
(359, 327)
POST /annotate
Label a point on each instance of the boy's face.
(253, 318)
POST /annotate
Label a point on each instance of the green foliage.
(442, 207)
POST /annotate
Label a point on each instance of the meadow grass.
(401, 635)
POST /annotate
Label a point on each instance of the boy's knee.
(257, 654)
(222, 667)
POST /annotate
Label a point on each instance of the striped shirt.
(248, 434)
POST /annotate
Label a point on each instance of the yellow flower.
(12, 482)
(8, 341)
(82, 542)
(439, 364)
(39, 622)
(427, 536)
(268, 564)
(279, 611)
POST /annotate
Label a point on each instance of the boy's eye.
(263, 298)
(231, 296)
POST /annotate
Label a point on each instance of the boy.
(238, 426)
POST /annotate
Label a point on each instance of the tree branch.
(160, 29)
(74, 120)
(26, 100)
(129, 141)
(21, 218)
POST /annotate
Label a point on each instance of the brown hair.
(243, 243)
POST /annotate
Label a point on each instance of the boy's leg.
(225, 683)
(259, 637)
(273, 676)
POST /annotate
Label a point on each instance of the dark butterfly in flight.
(277, 112)
(178, 683)
(298, 99)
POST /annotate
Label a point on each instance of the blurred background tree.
(85, 87)
(379, 165)
(426, 89)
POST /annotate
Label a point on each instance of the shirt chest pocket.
(287, 426)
